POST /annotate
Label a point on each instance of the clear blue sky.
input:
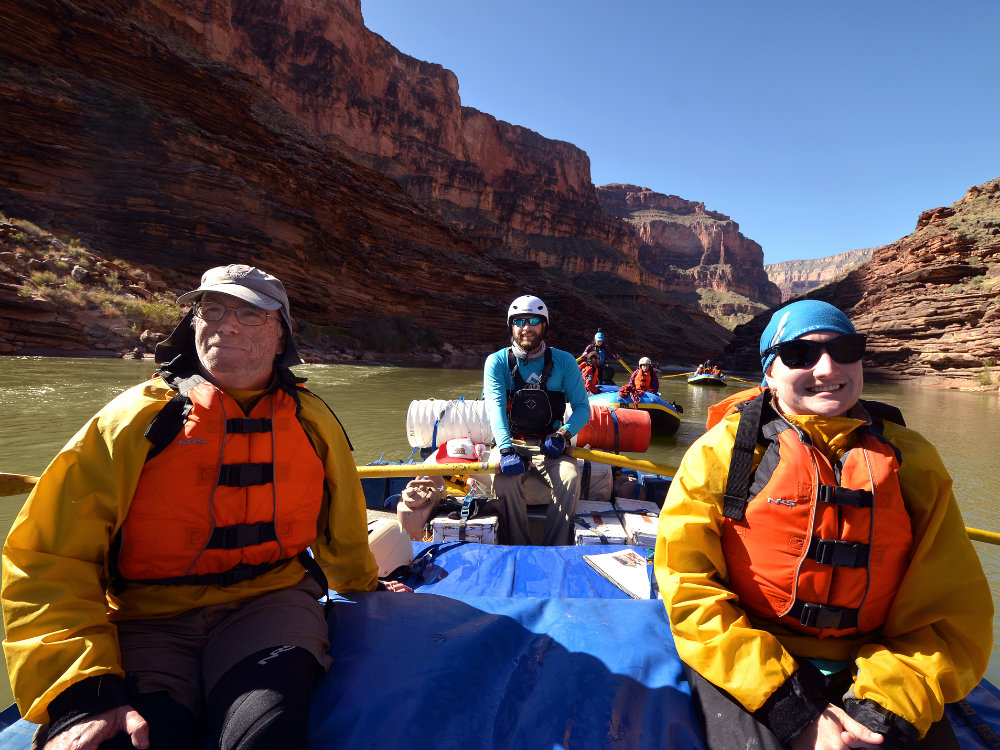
(819, 127)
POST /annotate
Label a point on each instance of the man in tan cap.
(158, 583)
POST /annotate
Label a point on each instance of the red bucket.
(618, 430)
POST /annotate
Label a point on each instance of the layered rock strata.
(703, 251)
(929, 302)
(286, 135)
(796, 277)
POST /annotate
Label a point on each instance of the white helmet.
(527, 305)
(390, 545)
(645, 361)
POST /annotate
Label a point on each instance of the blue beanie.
(798, 319)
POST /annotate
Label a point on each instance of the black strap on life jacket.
(515, 370)
(242, 535)
(837, 553)
(556, 399)
(740, 465)
(814, 615)
(837, 495)
(242, 572)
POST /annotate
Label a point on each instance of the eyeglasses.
(534, 320)
(801, 354)
(248, 316)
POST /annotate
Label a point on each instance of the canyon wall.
(796, 277)
(182, 133)
(704, 250)
(929, 302)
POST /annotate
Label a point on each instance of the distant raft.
(664, 416)
(707, 378)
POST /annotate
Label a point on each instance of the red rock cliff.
(929, 302)
(706, 246)
(194, 131)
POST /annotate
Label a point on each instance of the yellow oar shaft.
(427, 470)
(978, 535)
(439, 470)
(613, 459)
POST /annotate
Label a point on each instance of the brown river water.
(44, 400)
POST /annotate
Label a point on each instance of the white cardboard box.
(481, 530)
(596, 526)
(640, 527)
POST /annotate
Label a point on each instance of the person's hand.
(554, 445)
(511, 463)
(397, 587)
(91, 732)
(835, 730)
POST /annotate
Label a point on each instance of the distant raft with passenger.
(707, 378)
(664, 416)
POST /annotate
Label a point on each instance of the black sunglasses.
(534, 320)
(801, 354)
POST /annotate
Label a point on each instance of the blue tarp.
(434, 672)
(516, 647)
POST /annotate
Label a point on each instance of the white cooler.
(596, 522)
(482, 530)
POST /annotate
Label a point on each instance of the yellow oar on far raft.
(20, 484)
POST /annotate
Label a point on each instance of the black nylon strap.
(167, 423)
(741, 463)
(237, 575)
(585, 481)
(515, 371)
(822, 616)
(831, 493)
(241, 425)
(246, 475)
(838, 553)
(242, 535)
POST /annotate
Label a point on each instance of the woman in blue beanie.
(806, 586)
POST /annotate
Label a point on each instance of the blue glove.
(511, 463)
(554, 445)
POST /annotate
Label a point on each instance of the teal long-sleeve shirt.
(565, 377)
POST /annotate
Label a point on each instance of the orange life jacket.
(820, 548)
(642, 380)
(231, 496)
(589, 373)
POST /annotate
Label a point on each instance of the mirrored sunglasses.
(534, 320)
(801, 354)
(248, 316)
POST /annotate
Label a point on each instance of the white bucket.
(455, 418)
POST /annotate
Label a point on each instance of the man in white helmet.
(527, 386)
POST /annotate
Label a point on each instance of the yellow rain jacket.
(57, 607)
(935, 644)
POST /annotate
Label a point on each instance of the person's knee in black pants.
(263, 701)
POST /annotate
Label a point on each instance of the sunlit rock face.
(929, 302)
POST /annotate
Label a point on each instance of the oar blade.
(16, 484)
